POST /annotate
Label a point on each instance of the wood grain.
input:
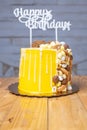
(70, 112)
(81, 81)
(24, 113)
(19, 112)
(67, 113)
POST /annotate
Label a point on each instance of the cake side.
(62, 79)
(37, 67)
(45, 69)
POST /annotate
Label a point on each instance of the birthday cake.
(45, 69)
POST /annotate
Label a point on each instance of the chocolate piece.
(71, 57)
(64, 82)
(55, 79)
(68, 68)
(69, 77)
(66, 46)
(38, 43)
(64, 71)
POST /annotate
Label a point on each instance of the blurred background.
(14, 35)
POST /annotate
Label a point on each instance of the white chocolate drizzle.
(35, 57)
(24, 58)
(50, 70)
(29, 67)
(39, 86)
(47, 64)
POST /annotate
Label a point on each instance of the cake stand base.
(13, 88)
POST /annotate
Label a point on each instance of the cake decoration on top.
(40, 19)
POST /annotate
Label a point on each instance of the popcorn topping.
(60, 78)
(64, 65)
(63, 58)
(64, 76)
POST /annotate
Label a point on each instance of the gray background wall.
(14, 35)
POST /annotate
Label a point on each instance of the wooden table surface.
(59, 113)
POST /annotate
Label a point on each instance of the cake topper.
(40, 19)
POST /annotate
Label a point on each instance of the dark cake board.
(13, 88)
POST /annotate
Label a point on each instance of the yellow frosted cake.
(45, 69)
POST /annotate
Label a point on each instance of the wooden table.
(59, 113)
